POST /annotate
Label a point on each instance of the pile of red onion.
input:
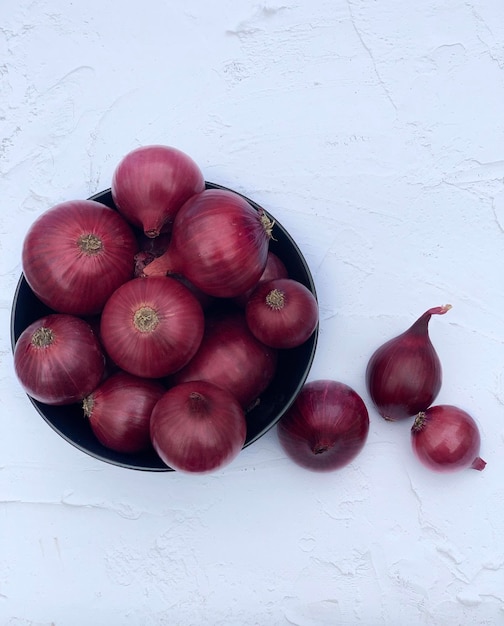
(403, 378)
(168, 318)
(168, 314)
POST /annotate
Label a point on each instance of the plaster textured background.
(374, 132)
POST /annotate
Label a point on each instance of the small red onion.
(76, 254)
(219, 243)
(232, 358)
(198, 427)
(151, 183)
(152, 327)
(326, 427)
(58, 359)
(119, 412)
(282, 313)
(404, 375)
(446, 439)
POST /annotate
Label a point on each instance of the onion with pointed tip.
(404, 375)
(219, 243)
(151, 183)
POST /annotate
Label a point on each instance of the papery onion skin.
(152, 327)
(58, 359)
(446, 438)
(76, 254)
(151, 183)
(119, 411)
(197, 427)
(326, 427)
(282, 313)
(219, 242)
(231, 357)
(275, 268)
(404, 375)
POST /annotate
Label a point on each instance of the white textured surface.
(374, 132)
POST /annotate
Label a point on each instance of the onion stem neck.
(87, 405)
(267, 225)
(198, 402)
(90, 244)
(422, 322)
(145, 319)
(42, 338)
(419, 422)
(276, 299)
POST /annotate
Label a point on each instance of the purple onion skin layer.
(446, 439)
(326, 427)
(404, 375)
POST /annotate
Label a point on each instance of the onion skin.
(282, 313)
(119, 412)
(151, 183)
(197, 427)
(76, 254)
(404, 375)
(275, 268)
(232, 358)
(58, 359)
(326, 427)
(446, 439)
(219, 243)
(152, 327)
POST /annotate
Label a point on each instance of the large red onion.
(198, 427)
(151, 183)
(219, 242)
(446, 439)
(282, 313)
(119, 412)
(76, 254)
(152, 327)
(404, 375)
(231, 357)
(58, 359)
(326, 427)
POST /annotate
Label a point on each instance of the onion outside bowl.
(292, 371)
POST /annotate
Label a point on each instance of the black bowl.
(293, 366)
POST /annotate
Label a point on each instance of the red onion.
(76, 254)
(58, 359)
(219, 242)
(282, 313)
(119, 412)
(275, 268)
(151, 183)
(152, 327)
(198, 427)
(446, 438)
(326, 427)
(404, 375)
(231, 357)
